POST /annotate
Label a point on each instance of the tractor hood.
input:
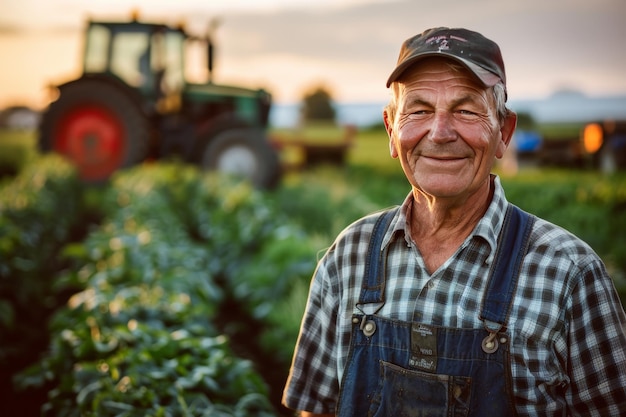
(251, 105)
(202, 91)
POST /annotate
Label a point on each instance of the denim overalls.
(398, 368)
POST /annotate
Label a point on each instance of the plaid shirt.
(567, 326)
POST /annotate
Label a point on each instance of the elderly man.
(457, 302)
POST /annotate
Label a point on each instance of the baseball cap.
(471, 49)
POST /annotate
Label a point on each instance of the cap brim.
(487, 78)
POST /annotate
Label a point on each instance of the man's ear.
(389, 128)
(506, 131)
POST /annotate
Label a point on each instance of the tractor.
(133, 103)
(605, 144)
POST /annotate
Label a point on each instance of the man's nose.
(441, 129)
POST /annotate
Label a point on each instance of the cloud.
(10, 29)
(544, 43)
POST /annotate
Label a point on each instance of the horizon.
(560, 107)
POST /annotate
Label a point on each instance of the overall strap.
(372, 289)
(512, 247)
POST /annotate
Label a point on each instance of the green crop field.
(16, 149)
(170, 291)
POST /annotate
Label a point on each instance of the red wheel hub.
(94, 139)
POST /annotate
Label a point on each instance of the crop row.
(40, 211)
(179, 265)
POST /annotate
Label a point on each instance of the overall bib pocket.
(403, 392)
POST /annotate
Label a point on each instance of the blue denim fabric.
(398, 368)
(381, 380)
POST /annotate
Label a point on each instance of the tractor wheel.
(243, 152)
(96, 126)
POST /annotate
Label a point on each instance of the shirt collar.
(488, 227)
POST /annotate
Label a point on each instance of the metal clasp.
(368, 327)
(490, 343)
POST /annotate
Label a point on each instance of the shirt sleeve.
(597, 344)
(313, 383)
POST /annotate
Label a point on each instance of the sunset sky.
(350, 46)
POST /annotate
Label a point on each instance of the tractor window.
(98, 38)
(174, 62)
(131, 58)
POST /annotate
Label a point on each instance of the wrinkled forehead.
(438, 68)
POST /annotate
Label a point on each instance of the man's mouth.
(443, 157)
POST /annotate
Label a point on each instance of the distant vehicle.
(134, 103)
(19, 118)
(527, 141)
(605, 143)
(562, 120)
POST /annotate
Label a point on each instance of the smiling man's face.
(445, 130)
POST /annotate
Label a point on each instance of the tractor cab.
(151, 58)
(147, 57)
